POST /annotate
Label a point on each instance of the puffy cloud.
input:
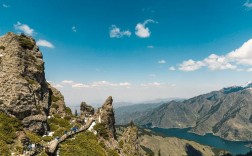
(45, 43)
(115, 32)
(74, 29)
(235, 60)
(161, 61)
(172, 68)
(24, 28)
(215, 62)
(242, 55)
(248, 5)
(142, 31)
(191, 65)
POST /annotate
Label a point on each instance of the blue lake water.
(235, 147)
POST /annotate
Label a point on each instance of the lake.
(235, 147)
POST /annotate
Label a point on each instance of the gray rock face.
(105, 115)
(225, 113)
(23, 89)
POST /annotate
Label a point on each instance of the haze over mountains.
(225, 113)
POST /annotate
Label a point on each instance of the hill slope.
(226, 113)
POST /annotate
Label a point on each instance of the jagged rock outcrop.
(24, 92)
(105, 115)
(86, 110)
(129, 143)
(226, 113)
(58, 105)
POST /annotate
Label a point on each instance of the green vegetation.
(69, 111)
(59, 125)
(47, 138)
(34, 138)
(8, 128)
(30, 81)
(55, 106)
(55, 98)
(4, 150)
(2, 47)
(101, 130)
(112, 152)
(85, 144)
(25, 42)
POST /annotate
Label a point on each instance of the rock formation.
(58, 105)
(105, 115)
(86, 110)
(24, 92)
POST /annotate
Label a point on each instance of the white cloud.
(242, 55)
(248, 5)
(6, 6)
(24, 28)
(172, 68)
(67, 81)
(57, 85)
(45, 43)
(161, 61)
(150, 46)
(142, 31)
(215, 62)
(191, 65)
(234, 60)
(151, 84)
(80, 85)
(115, 32)
(109, 84)
(74, 29)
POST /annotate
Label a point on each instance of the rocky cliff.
(225, 113)
(105, 115)
(24, 92)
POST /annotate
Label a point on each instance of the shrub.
(121, 144)
(4, 150)
(2, 47)
(8, 128)
(69, 111)
(25, 42)
(47, 138)
(112, 153)
(34, 138)
(54, 98)
(101, 130)
(54, 106)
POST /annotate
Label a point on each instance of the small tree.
(76, 113)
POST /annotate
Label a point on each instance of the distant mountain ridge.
(126, 113)
(226, 113)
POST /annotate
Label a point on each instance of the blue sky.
(137, 50)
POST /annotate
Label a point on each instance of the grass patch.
(8, 128)
(85, 144)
